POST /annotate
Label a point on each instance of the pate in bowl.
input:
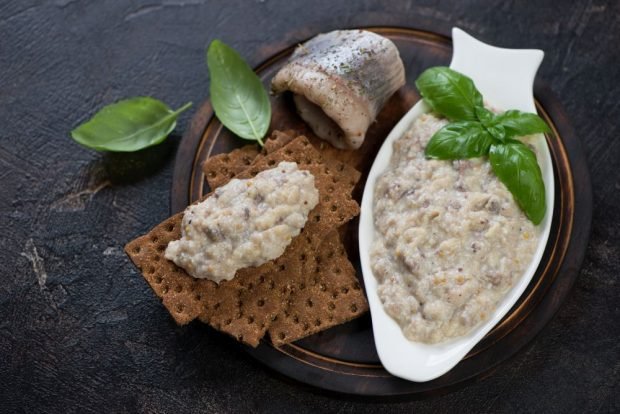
(485, 251)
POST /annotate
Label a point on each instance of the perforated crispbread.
(220, 168)
(328, 273)
(279, 139)
(169, 282)
(328, 294)
(245, 306)
(333, 210)
(329, 153)
(187, 298)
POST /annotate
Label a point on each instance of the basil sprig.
(238, 96)
(475, 131)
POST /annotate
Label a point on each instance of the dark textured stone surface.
(81, 331)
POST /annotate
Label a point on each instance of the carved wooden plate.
(343, 359)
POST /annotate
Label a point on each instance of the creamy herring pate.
(450, 239)
(244, 223)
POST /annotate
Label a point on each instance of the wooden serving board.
(343, 359)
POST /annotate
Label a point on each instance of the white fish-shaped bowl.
(505, 77)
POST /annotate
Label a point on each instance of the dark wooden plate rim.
(538, 304)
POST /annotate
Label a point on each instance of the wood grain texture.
(80, 330)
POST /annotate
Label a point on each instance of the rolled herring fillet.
(340, 81)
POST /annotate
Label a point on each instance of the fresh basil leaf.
(239, 99)
(516, 166)
(485, 116)
(457, 140)
(497, 131)
(450, 93)
(128, 125)
(489, 122)
(517, 123)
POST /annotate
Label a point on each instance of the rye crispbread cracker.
(326, 275)
(329, 153)
(187, 298)
(245, 306)
(279, 139)
(329, 273)
(219, 169)
(328, 294)
(333, 209)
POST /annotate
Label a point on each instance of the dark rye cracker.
(220, 168)
(327, 275)
(312, 306)
(328, 294)
(186, 297)
(333, 209)
(278, 139)
(328, 152)
(245, 306)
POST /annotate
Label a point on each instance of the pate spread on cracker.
(246, 306)
(245, 223)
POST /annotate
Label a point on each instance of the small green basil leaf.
(238, 96)
(485, 116)
(516, 166)
(497, 131)
(489, 121)
(128, 125)
(450, 93)
(517, 123)
(457, 140)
